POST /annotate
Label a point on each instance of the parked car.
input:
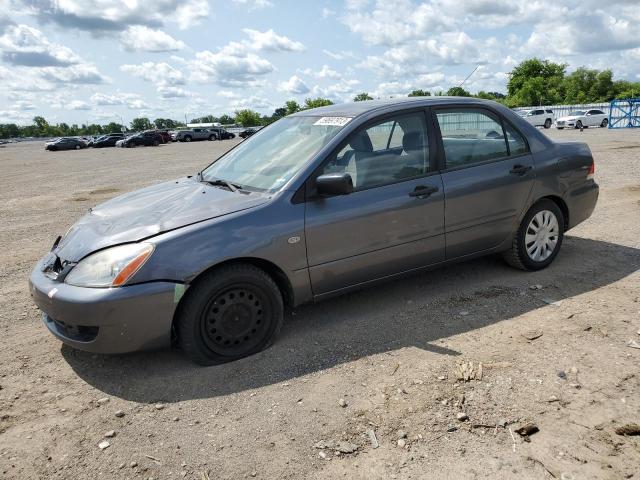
(144, 139)
(539, 117)
(322, 202)
(583, 119)
(222, 133)
(192, 134)
(246, 133)
(108, 140)
(65, 143)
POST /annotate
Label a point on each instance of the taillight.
(592, 169)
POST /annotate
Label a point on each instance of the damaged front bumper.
(106, 320)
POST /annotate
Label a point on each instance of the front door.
(488, 176)
(392, 222)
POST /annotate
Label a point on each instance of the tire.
(579, 124)
(604, 123)
(230, 313)
(156, 143)
(77, 147)
(519, 255)
(187, 138)
(547, 123)
(212, 138)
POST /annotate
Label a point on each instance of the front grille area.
(78, 333)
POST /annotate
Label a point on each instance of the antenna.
(469, 76)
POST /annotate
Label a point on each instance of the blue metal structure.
(624, 113)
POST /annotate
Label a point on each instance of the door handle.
(519, 169)
(423, 192)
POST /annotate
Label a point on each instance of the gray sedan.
(316, 204)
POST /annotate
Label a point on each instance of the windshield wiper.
(218, 182)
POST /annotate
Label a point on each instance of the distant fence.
(564, 110)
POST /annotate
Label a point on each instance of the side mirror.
(334, 184)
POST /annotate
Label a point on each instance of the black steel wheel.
(229, 313)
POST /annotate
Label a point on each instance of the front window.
(271, 157)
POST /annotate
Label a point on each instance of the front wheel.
(579, 125)
(539, 237)
(604, 123)
(212, 138)
(187, 139)
(156, 143)
(229, 313)
(547, 123)
(77, 147)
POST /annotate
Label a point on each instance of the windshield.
(269, 158)
(577, 113)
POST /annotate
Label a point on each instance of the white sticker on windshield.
(333, 121)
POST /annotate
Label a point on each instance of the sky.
(98, 61)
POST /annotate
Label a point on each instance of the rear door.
(487, 175)
(392, 222)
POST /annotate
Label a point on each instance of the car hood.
(147, 212)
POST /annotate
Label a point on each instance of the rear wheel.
(547, 123)
(77, 147)
(187, 138)
(230, 313)
(539, 237)
(212, 138)
(604, 123)
(156, 143)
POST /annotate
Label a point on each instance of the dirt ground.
(382, 360)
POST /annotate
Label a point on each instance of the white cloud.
(103, 99)
(271, 41)
(254, 4)
(144, 39)
(160, 74)
(325, 72)
(342, 91)
(229, 69)
(294, 86)
(75, 74)
(327, 12)
(254, 102)
(78, 105)
(342, 55)
(394, 23)
(173, 92)
(22, 45)
(102, 17)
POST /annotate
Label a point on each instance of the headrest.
(413, 141)
(361, 142)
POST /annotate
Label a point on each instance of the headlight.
(111, 267)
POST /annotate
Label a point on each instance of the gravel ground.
(553, 348)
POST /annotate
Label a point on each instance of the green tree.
(226, 119)
(361, 97)
(458, 92)
(292, 107)
(248, 118)
(536, 82)
(141, 123)
(41, 126)
(419, 93)
(316, 102)
(112, 127)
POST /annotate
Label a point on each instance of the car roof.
(354, 109)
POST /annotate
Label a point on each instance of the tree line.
(532, 82)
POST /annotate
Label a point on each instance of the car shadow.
(417, 311)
